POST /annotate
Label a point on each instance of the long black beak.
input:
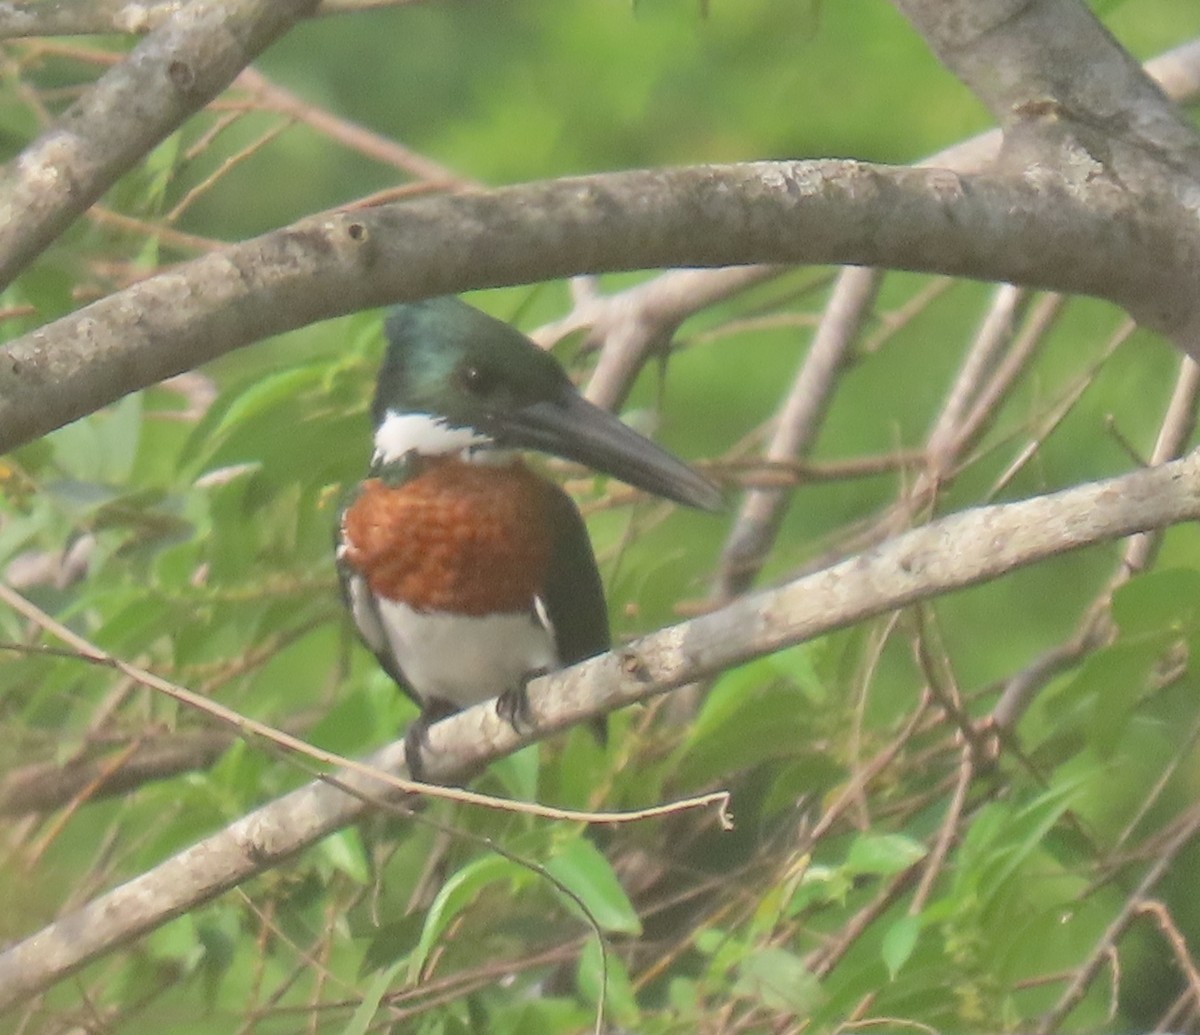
(575, 429)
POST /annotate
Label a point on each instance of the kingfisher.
(467, 574)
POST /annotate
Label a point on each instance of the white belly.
(465, 660)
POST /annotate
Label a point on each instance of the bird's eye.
(476, 379)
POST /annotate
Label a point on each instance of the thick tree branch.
(1050, 69)
(89, 17)
(1122, 247)
(957, 551)
(173, 72)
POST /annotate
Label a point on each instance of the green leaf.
(392, 943)
(899, 942)
(159, 168)
(268, 392)
(806, 776)
(586, 872)
(48, 287)
(1158, 602)
(779, 980)
(538, 1015)
(1117, 677)
(747, 725)
(727, 697)
(518, 773)
(361, 1019)
(345, 851)
(883, 854)
(341, 730)
(619, 1001)
(1002, 836)
(456, 895)
(798, 665)
(101, 448)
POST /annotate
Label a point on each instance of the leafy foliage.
(897, 858)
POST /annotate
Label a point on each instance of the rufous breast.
(459, 537)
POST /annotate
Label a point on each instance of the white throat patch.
(425, 435)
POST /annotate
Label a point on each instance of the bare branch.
(273, 97)
(172, 73)
(1096, 627)
(1121, 247)
(1178, 424)
(1186, 829)
(90, 17)
(1047, 69)
(37, 788)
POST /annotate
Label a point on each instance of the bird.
(466, 572)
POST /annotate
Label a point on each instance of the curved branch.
(1050, 67)
(189, 59)
(1122, 247)
(44, 786)
(961, 550)
(19, 18)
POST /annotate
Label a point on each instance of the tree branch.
(1122, 247)
(20, 18)
(173, 72)
(44, 786)
(954, 552)
(1050, 68)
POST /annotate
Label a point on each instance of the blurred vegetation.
(187, 529)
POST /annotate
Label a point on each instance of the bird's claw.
(513, 705)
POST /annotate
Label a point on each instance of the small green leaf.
(361, 1019)
(899, 942)
(268, 391)
(456, 894)
(883, 854)
(518, 773)
(779, 980)
(586, 872)
(345, 851)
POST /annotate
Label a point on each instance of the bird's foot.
(416, 740)
(416, 737)
(513, 705)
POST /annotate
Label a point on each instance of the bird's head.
(455, 380)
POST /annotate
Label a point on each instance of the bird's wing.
(574, 594)
(363, 606)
